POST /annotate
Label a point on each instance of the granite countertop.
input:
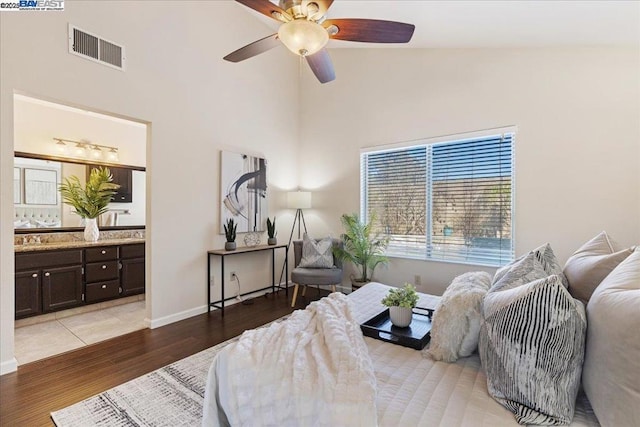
(76, 244)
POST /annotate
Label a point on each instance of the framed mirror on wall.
(39, 206)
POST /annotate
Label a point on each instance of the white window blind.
(449, 201)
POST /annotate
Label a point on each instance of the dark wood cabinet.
(132, 276)
(50, 280)
(61, 288)
(28, 300)
(124, 178)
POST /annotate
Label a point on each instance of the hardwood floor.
(36, 389)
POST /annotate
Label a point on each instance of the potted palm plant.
(271, 231)
(90, 201)
(401, 302)
(362, 246)
(230, 234)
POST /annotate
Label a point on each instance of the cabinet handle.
(103, 252)
(104, 267)
(104, 286)
(47, 274)
(34, 275)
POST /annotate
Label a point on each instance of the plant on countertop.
(271, 228)
(406, 297)
(230, 230)
(362, 246)
(92, 200)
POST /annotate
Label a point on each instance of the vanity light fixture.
(85, 149)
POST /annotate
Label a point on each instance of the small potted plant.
(271, 231)
(401, 302)
(230, 234)
(91, 201)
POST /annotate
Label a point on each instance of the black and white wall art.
(243, 189)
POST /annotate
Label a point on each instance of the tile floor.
(41, 340)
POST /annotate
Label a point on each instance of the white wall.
(196, 104)
(577, 147)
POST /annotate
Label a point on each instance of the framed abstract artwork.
(40, 187)
(243, 190)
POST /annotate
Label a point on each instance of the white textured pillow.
(611, 373)
(590, 264)
(316, 254)
(532, 347)
(456, 320)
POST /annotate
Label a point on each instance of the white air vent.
(95, 48)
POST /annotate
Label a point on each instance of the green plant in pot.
(271, 231)
(230, 234)
(401, 302)
(362, 246)
(92, 200)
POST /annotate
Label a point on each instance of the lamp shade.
(299, 199)
(303, 37)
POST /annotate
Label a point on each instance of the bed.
(413, 390)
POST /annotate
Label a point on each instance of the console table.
(223, 254)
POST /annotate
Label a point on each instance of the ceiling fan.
(305, 31)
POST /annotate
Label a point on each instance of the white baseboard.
(176, 317)
(8, 366)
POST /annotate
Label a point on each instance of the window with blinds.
(447, 201)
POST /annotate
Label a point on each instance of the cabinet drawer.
(132, 251)
(105, 253)
(48, 259)
(102, 290)
(101, 271)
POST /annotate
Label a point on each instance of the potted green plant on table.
(362, 246)
(401, 302)
(230, 234)
(271, 231)
(92, 200)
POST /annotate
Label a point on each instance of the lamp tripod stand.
(299, 218)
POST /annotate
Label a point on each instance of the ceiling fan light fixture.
(303, 37)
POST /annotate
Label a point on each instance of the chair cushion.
(611, 373)
(590, 264)
(316, 254)
(532, 348)
(456, 320)
(316, 276)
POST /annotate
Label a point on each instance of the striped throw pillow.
(531, 346)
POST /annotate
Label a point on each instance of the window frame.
(454, 138)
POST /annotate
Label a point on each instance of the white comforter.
(311, 369)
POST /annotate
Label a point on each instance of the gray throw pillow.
(546, 262)
(317, 254)
(532, 347)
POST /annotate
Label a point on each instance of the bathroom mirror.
(38, 206)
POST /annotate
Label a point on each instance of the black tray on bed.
(416, 335)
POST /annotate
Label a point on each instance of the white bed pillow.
(456, 320)
(590, 264)
(316, 254)
(611, 373)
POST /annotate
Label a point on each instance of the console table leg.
(222, 283)
(208, 283)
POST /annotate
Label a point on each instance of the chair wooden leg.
(304, 289)
(295, 295)
(333, 288)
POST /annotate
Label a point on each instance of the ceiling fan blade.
(265, 7)
(253, 49)
(371, 30)
(321, 65)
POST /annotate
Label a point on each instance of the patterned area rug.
(170, 396)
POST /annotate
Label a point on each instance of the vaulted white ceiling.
(494, 24)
